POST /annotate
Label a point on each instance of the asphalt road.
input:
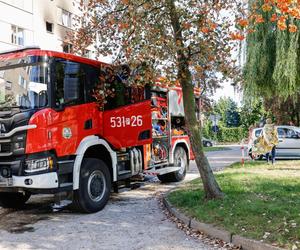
(132, 219)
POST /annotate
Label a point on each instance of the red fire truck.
(54, 138)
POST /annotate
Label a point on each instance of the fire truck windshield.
(23, 85)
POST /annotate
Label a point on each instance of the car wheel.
(208, 144)
(255, 157)
(94, 186)
(14, 200)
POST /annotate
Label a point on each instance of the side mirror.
(42, 99)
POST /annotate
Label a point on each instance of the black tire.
(208, 144)
(94, 186)
(180, 160)
(255, 157)
(14, 200)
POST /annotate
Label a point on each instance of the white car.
(289, 141)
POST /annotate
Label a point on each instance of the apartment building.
(44, 23)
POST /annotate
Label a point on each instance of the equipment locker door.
(129, 125)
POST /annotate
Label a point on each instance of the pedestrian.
(270, 137)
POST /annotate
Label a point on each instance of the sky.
(227, 91)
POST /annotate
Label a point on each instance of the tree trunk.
(211, 187)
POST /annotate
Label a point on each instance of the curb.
(212, 231)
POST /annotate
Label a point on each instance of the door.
(289, 143)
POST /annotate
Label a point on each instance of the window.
(69, 83)
(49, 27)
(67, 47)
(17, 35)
(290, 133)
(257, 132)
(87, 54)
(8, 85)
(22, 81)
(92, 81)
(66, 18)
(23, 89)
(281, 133)
(286, 133)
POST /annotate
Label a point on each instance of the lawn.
(262, 202)
(215, 148)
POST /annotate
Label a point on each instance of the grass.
(262, 202)
(215, 148)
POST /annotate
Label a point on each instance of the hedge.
(235, 134)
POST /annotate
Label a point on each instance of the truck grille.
(5, 147)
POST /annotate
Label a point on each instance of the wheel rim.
(96, 186)
(181, 162)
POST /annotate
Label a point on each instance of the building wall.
(28, 19)
(19, 14)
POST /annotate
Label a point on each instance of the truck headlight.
(35, 165)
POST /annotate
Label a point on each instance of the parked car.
(207, 142)
(289, 142)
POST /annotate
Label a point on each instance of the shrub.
(235, 134)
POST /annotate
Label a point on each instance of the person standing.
(270, 137)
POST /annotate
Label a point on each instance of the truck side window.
(92, 81)
(69, 83)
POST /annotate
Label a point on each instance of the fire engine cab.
(54, 138)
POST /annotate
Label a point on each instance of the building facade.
(44, 23)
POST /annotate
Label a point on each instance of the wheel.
(94, 186)
(255, 157)
(180, 160)
(208, 144)
(14, 200)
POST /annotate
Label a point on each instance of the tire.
(255, 157)
(208, 144)
(14, 200)
(94, 186)
(180, 160)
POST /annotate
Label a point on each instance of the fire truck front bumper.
(40, 181)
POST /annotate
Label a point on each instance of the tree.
(251, 113)
(228, 111)
(272, 71)
(187, 41)
(272, 51)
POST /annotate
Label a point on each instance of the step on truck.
(54, 138)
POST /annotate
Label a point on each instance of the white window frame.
(66, 18)
(69, 45)
(15, 35)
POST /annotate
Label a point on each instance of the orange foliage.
(283, 12)
(273, 18)
(243, 22)
(266, 7)
(281, 24)
(293, 28)
(237, 36)
(259, 19)
(205, 29)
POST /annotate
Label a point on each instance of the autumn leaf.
(293, 28)
(273, 18)
(266, 7)
(205, 30)
(243, 22)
